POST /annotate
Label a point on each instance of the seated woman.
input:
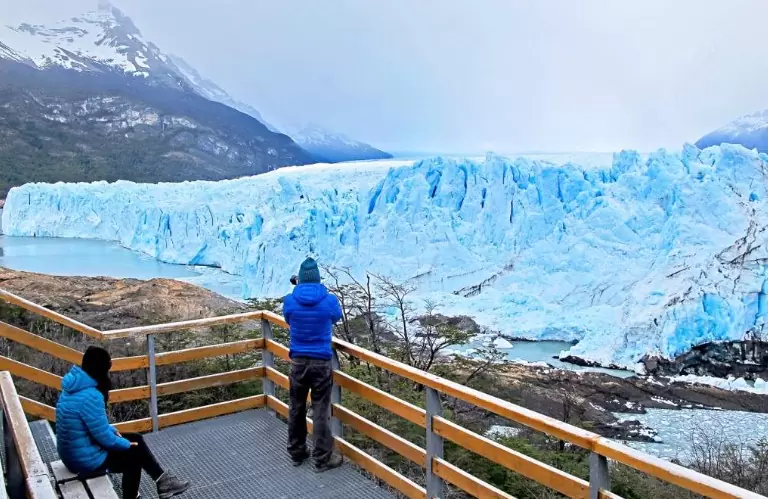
(87, 443)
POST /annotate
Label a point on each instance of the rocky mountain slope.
(89, 99)
(750, 131)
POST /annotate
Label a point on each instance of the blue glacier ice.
(650, 254)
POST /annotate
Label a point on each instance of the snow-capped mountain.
(107, 41)
(750, 130)
(332, 146)
(97, 41)
(102, 102)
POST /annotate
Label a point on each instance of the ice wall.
(645, 256)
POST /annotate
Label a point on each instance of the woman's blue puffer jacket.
(83, 433)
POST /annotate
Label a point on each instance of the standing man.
(311, 312)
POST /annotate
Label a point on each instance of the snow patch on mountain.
(93, 41)
(645, 256)
(749, 123)
(750, 130)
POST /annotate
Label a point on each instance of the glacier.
(651, 254)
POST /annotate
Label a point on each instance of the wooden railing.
(437, 428)
(27, 474)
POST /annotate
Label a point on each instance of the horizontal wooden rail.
(195, 414)
(187, 385)
(278, 378)
(380, 434)
(404, 409)
(197, 353)
(40, 344)
(508, 410)
(544, 474)
(49, 314)
(38, 409)
(405, 486)
(210, 381)
(175, 326)
(33, 468)
(672, 473)
(212, 410)
(30, 373)
(277, 349)
(466, 482)
(188, 354)
(45, 378)
(275, 319)
(135, 426)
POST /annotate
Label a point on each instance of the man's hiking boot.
(299, 460)
(334, 462)
(169, 486)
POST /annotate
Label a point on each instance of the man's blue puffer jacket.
(83, 433)
(311, 312)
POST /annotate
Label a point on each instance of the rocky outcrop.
(107, 303)
(738, 359)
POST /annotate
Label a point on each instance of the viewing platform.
(241, 455)
(237, 448)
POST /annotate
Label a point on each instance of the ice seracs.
(646, 255)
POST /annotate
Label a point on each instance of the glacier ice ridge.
(651, 255)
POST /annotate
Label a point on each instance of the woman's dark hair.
(96, 364)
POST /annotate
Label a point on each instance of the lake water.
(92, 258)
(544, 351)
(548, 351)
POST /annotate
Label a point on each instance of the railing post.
(435, 485)
(336, 427)
(599, 477)
(152, 382)
(267, 358)
(14, 475)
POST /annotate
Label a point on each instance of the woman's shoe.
(169, 486)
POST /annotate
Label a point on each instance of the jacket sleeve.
(333, 304)
(95, 418)
(288, 308)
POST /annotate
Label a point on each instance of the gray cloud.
(467, 76)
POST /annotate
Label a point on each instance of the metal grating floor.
(237, 456)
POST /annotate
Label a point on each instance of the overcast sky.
(472, 75)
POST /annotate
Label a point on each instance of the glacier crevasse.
(650, 255)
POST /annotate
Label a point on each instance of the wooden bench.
(72, 486)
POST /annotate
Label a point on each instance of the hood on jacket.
(76, 380)
(310, 294)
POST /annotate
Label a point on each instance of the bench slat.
(73, 490)
(60, 472)
(102, 488)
